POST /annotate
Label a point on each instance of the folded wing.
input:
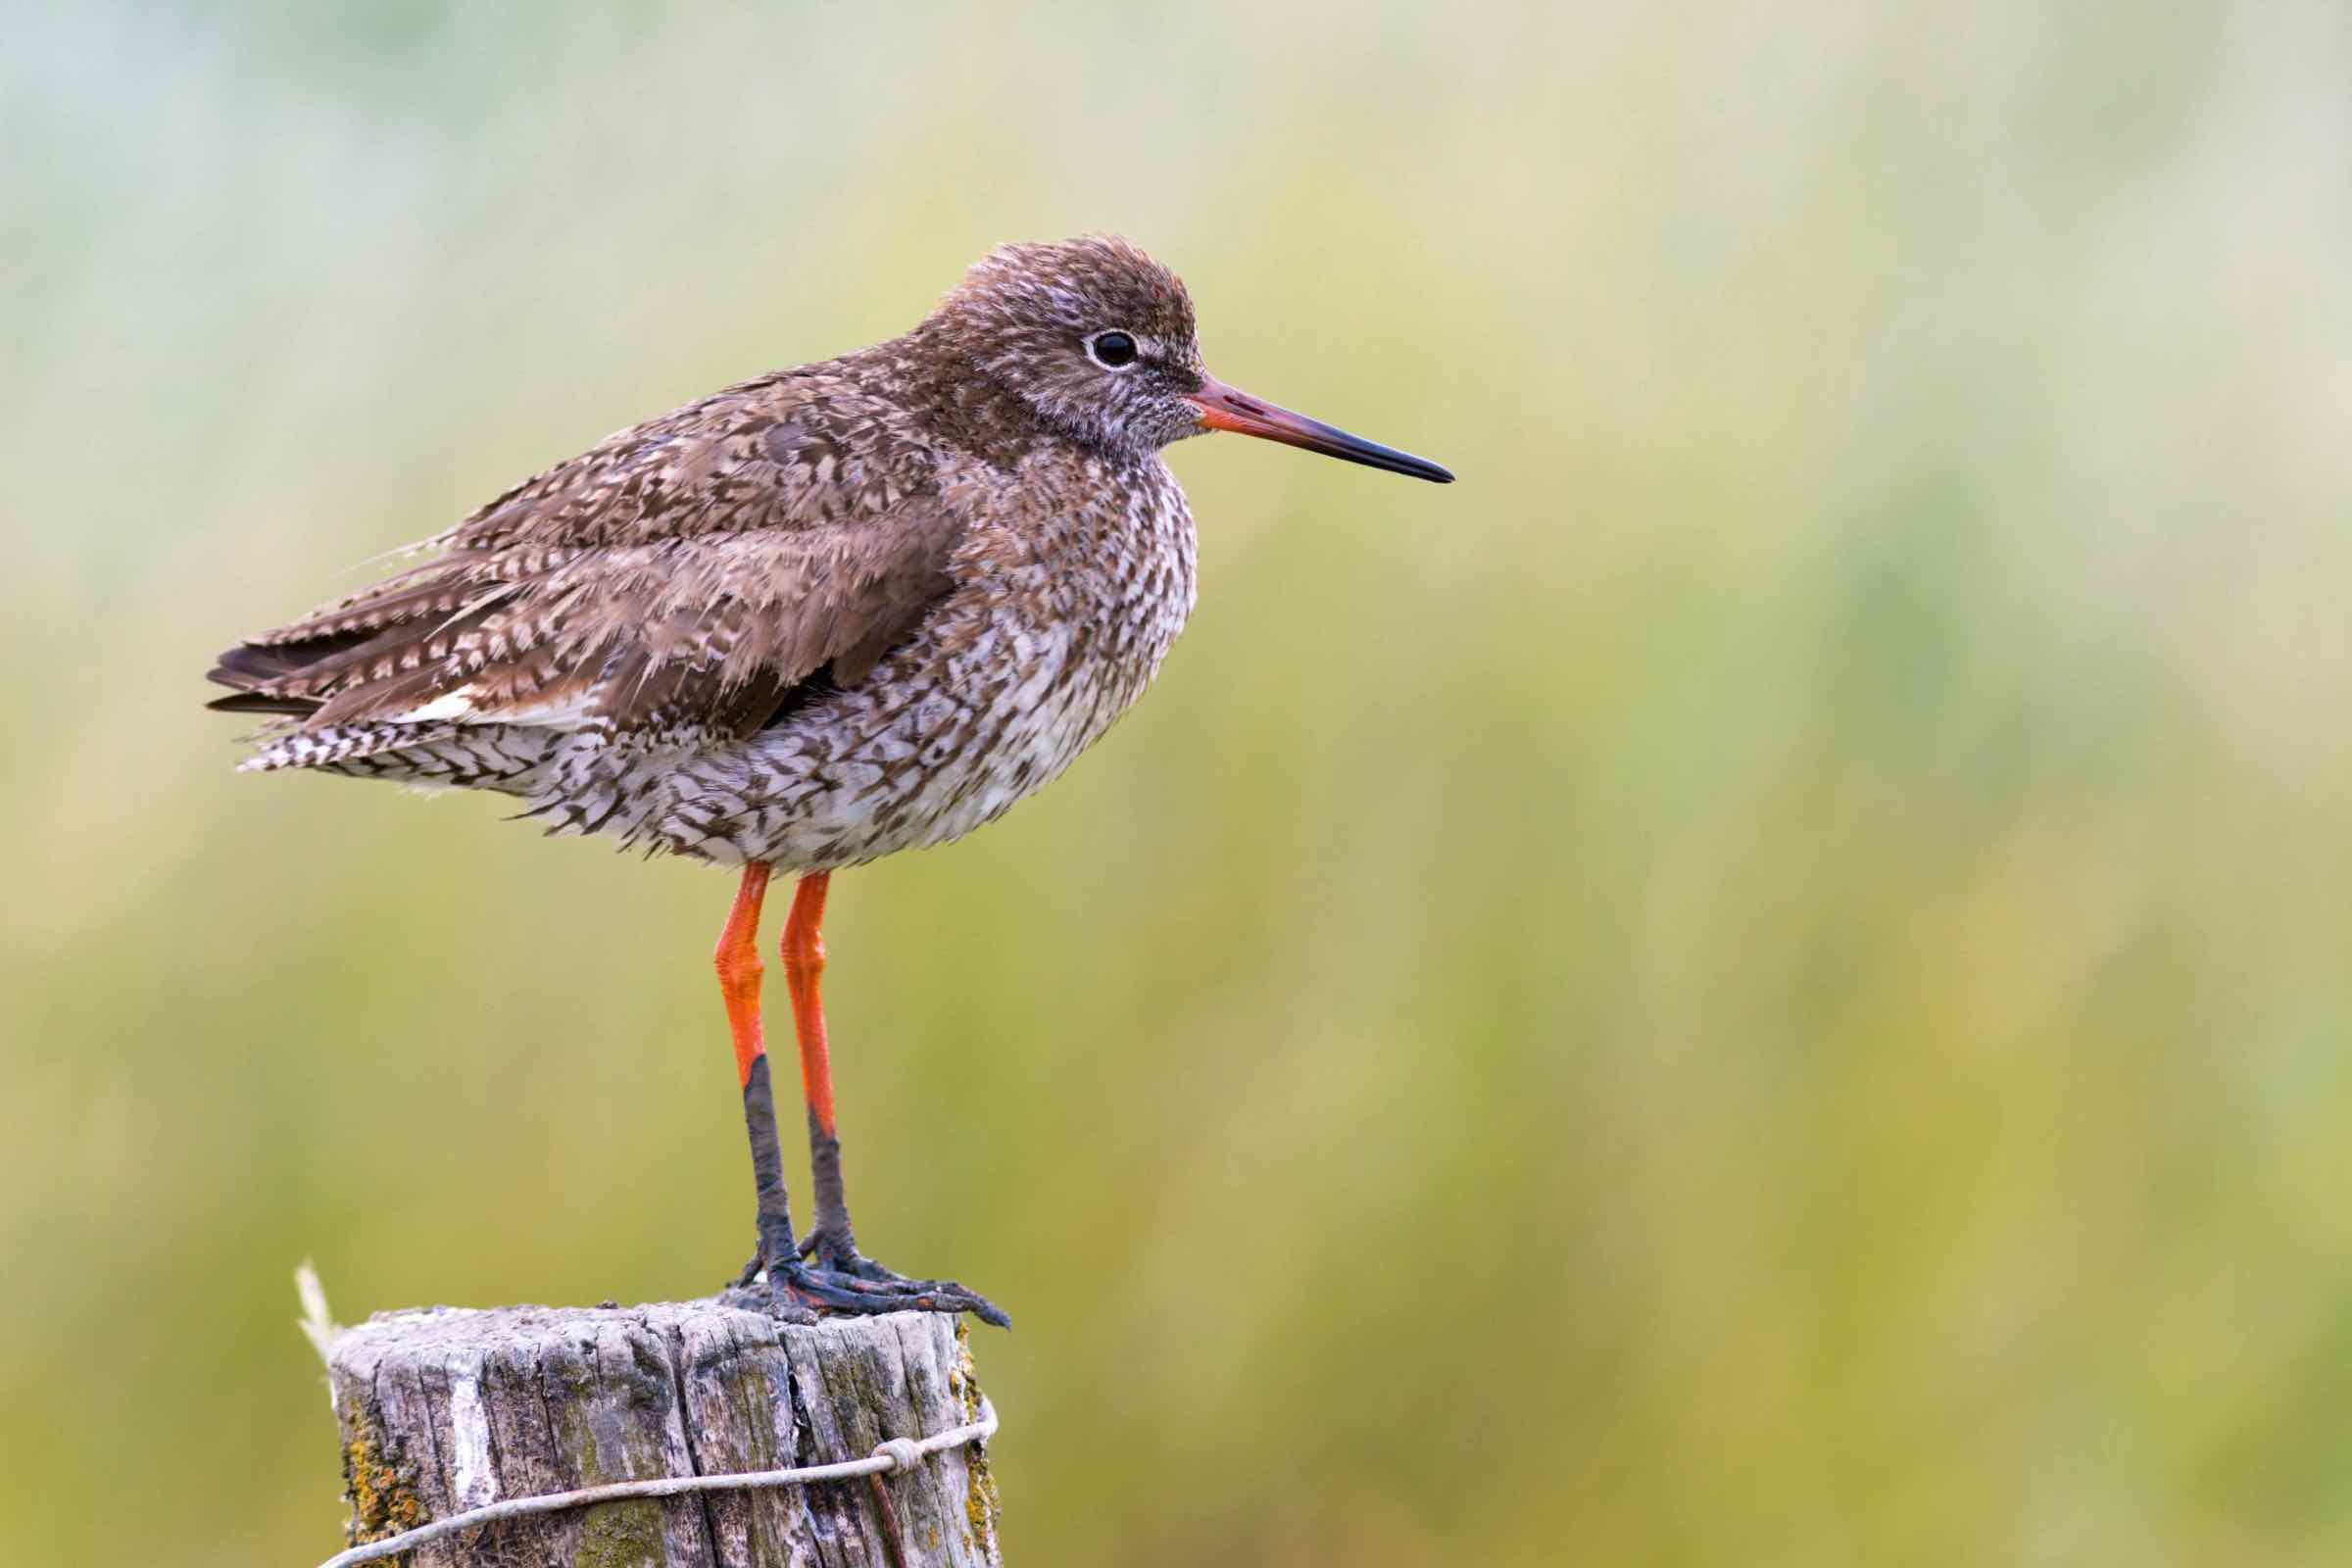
(687, 575)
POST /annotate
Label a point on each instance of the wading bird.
(811, 621)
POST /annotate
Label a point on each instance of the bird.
(818, 618)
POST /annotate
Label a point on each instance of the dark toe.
(875, 1289)
(770, 1300)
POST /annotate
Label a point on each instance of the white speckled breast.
(1055, 628)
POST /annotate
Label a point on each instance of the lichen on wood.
(443, 1409)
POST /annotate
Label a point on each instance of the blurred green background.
(1765, 980)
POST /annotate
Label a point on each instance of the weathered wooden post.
(443, 1410)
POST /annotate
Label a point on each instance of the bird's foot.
(765, 1297)
(837, 1255)
(841, 1279)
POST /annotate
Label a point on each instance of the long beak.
(1222, 408)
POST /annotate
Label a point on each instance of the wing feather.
(688, 575)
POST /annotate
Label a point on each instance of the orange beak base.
(1223, 408)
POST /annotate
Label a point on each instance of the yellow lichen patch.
(964, 1381)
(980, 1504)
(383, 1501)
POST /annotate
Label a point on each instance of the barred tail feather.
(450, 755)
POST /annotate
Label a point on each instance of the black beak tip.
(1414, 467)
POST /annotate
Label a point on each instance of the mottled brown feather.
(821, 616)
(685, 573)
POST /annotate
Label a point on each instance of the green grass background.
(1765, 980)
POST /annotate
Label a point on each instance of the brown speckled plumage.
(823, 615)
(819, 616)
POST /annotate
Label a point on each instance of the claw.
(795, 1291)
(845, 1292)
(766, 1299)
(836, 1260)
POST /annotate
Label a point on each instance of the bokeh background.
(1765, 980)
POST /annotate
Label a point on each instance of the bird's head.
(1097, 340)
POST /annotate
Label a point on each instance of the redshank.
(813, 619)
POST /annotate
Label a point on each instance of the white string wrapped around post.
(890, 1454)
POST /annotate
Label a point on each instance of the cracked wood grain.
(445, 1408)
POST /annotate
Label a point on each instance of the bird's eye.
(1111, 350)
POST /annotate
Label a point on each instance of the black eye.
(1112, 349)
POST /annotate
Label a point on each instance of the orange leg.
(738, 963)
(841, 1277)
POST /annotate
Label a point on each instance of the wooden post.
(443, 1409)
